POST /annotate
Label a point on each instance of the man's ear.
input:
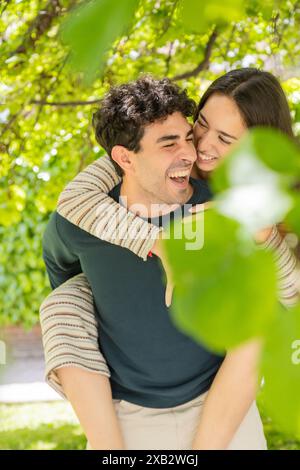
(122, 156)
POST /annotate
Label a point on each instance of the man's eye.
(191, 139)
(169, 145)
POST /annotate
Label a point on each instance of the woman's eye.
(190, 140)
(201, 124)
(224, 141)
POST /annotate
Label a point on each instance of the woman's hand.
(263, 235)
(260, 237)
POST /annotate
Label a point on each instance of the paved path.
(22, 377)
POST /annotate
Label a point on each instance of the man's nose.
(188, 153)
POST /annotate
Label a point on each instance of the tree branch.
(4, 7)
(63, 104)
(204, 62)
(39, 26)
(169, 58)
(10, 123)
(49, 90)
(168, 20)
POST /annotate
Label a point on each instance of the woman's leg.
(75, 367)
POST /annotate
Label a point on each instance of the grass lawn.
(53, 426)
(40, 426)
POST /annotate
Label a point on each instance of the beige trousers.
(174, 428)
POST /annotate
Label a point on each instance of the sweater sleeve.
(61, 263)
(288, 269)
(85, 203)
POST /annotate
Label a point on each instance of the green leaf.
(254, 182)
(293, 217)
(92, 28)
(264, 145)
(198, 16)
(225, 293)
(280, 367)
(265, 8)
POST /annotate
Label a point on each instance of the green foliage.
(255, 184)
(46, 138)
(40, 426)
(91, 29)
(43, 146)
(198, 16)
(221, 288)
(280, 368)
(226, 291)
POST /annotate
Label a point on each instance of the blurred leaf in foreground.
(92, 28)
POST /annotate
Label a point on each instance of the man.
(144, 129)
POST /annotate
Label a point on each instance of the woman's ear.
(122, 156)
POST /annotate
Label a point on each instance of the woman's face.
(218, 127)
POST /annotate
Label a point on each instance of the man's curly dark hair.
(126, 110)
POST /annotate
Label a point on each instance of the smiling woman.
(237, 101)
(216, 132)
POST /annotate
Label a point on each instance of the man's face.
(163, 165)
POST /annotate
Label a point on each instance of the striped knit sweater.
(85, 203)
(69, 328)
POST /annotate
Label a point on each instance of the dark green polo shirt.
(152, 363)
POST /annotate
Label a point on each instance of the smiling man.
(144, 129)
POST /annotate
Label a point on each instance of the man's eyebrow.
(220, 132)
(173, 136)
(167, 137)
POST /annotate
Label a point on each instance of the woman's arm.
(85, 203)
(75, 366)
(288, 268)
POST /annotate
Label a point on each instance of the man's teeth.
(178, 174)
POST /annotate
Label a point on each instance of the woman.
(239, 100)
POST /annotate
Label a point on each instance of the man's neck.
(143, 204)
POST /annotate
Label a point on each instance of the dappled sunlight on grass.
(40, 426)
(54, 426)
